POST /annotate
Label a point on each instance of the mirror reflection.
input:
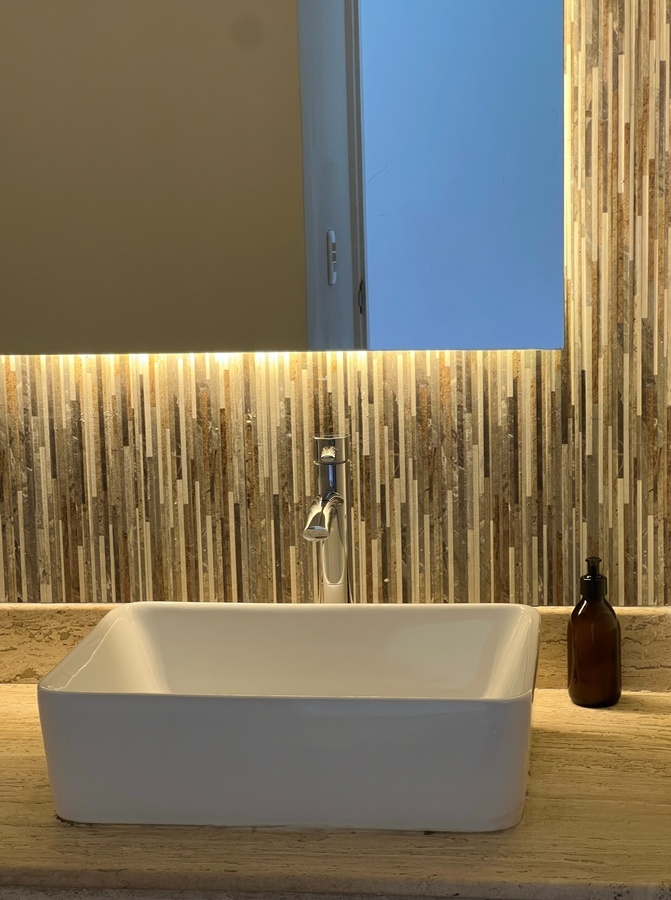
(279, 174)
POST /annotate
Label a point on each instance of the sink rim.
(45, 687)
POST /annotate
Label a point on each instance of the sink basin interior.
(429, 652)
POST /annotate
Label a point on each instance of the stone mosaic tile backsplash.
(172, 477)
(477, 477)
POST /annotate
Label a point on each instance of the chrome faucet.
(327, 519)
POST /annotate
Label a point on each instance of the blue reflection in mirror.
(463, 155)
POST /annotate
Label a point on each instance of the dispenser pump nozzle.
(593, 585)
(593, 566)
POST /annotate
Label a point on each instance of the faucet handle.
(331, 450)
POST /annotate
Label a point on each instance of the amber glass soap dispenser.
(593, 640)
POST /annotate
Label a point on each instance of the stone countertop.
(35, 636)
(597, 824)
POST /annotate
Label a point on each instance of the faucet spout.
(326, 522)
(321, 516)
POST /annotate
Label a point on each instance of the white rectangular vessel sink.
(358, 716)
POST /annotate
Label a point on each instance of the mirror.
(164, 190)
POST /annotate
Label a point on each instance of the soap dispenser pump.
(593, 644)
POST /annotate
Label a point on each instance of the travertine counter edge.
(27, 893)
(35, 636)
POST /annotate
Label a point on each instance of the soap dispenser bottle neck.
(593, 585)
